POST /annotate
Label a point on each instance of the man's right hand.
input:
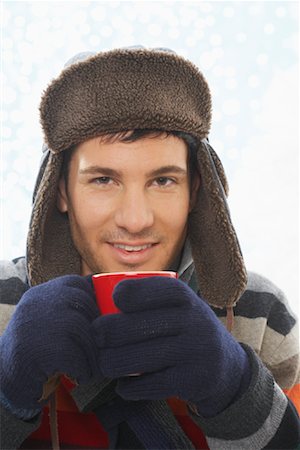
(49, 333)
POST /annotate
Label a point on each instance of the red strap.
(193, 432)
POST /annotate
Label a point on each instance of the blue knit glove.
(175, 342)
(49, 333)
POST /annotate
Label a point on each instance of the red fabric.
(74, 429)
(83, 430)
(294, 395)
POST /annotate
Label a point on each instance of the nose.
(134, 213)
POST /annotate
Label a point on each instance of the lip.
(132, 257)
(132, 244)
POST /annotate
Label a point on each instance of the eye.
(102, 180)
(164, 181)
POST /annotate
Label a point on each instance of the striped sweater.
(264, 417)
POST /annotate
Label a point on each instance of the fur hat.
(123, 90)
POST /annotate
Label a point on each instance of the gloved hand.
(50, 332)
(175, 342)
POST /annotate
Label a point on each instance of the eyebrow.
(107, 171)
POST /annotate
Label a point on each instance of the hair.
(135, 135)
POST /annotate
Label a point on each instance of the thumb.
(141, 294)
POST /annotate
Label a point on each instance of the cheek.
(90, 213)
(173, 214)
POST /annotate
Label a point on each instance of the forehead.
(147, 150)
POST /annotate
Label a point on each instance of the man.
(129, 182)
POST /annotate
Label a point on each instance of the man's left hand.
(175, 343)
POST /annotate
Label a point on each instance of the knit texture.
(263, 321)
(174, 341)
(56, 317)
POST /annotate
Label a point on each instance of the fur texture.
(123, 90)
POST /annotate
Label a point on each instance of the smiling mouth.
(132, 248)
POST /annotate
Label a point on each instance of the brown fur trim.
(219, 264)
(122, 90)
(50, 249)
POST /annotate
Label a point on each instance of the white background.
(248, 51)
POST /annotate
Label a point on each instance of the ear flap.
(219, 168)
(218, 260)
(50, 249)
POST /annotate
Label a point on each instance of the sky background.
(248, 52)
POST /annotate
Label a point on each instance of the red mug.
(104, 284)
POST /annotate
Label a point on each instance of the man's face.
(127, 203)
